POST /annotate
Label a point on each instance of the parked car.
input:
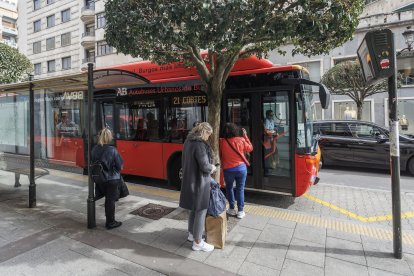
(360, 144)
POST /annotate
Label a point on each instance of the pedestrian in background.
(233, 148)
(197, 164)
(112, 163)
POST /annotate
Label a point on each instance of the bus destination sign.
(123, 91)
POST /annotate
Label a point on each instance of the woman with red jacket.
(234, 164)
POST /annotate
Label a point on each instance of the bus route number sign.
(189, 100)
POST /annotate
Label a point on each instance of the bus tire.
(410, 166)
(175, 175)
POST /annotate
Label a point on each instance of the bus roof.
(178, 72)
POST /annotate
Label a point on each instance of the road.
(364, 178)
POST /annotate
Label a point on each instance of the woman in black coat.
(197, 164)
(112, 163)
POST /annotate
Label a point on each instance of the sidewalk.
(53, 238)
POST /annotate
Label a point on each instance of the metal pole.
(90, 201)
(395, 162)
(32, 184)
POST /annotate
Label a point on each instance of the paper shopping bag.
(216, 230)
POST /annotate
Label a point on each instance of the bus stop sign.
(376, 55)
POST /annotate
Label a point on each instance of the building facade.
(61, 37)
(8, 22)
(397, 15)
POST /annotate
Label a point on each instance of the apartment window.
(37, 47)
(50, 43)
(66, 63)
(405, 67)
(36, 4)
(65, 39)
(50, 2)
(37, 68)
(100, 20)
(65, 15)
(104, 48)
(50, 21)
(37, 25)
(51, 66)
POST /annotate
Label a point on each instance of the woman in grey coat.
(197, 163)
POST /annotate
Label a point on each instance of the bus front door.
(276, 145)
(271, 159)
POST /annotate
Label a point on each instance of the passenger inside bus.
(152, 126)
(269, 142)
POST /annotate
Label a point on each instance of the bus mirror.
(324, 96)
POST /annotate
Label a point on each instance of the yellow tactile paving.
(355, 216)
(334, 224)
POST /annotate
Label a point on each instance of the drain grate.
(153, 211)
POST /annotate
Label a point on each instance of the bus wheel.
(410, 166)
(176, 173)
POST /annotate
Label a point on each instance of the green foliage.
(165, 31)
(346, 78)
(169, 30)
(13, 65)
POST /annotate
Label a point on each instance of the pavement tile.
(242, 236)
(268, 255)
(170, 240)
(249, 269)
(387, 262)
(307, 252)
(335, 267)
(291, 267)
(254, 221)
(343, 235)
(378, 272)
(345, 250)
(310, 233)
(276, 234)
(230, 258)
(282, 222)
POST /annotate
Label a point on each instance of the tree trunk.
(215, 93)
(360, 105)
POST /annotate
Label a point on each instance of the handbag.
(217, 202)
(241, 155)
(123, 188)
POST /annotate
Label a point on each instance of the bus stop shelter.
(84, 82)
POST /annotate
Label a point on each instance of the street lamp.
(409, 40)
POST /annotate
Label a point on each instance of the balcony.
(9, 31)
(88, 13)
(88, 60)
(10, 43)
(88, 39)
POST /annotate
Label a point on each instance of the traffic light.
(377, 55)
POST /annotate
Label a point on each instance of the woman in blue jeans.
(233, 146)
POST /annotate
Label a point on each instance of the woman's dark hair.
(231, 130)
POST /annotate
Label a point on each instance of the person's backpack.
(99, 172)
(217, 203)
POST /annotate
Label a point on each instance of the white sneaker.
(203, 246)
(231, 212)
(190, 237)
(241, 214)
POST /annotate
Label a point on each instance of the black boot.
(113, 225)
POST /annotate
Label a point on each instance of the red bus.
(150, 122)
